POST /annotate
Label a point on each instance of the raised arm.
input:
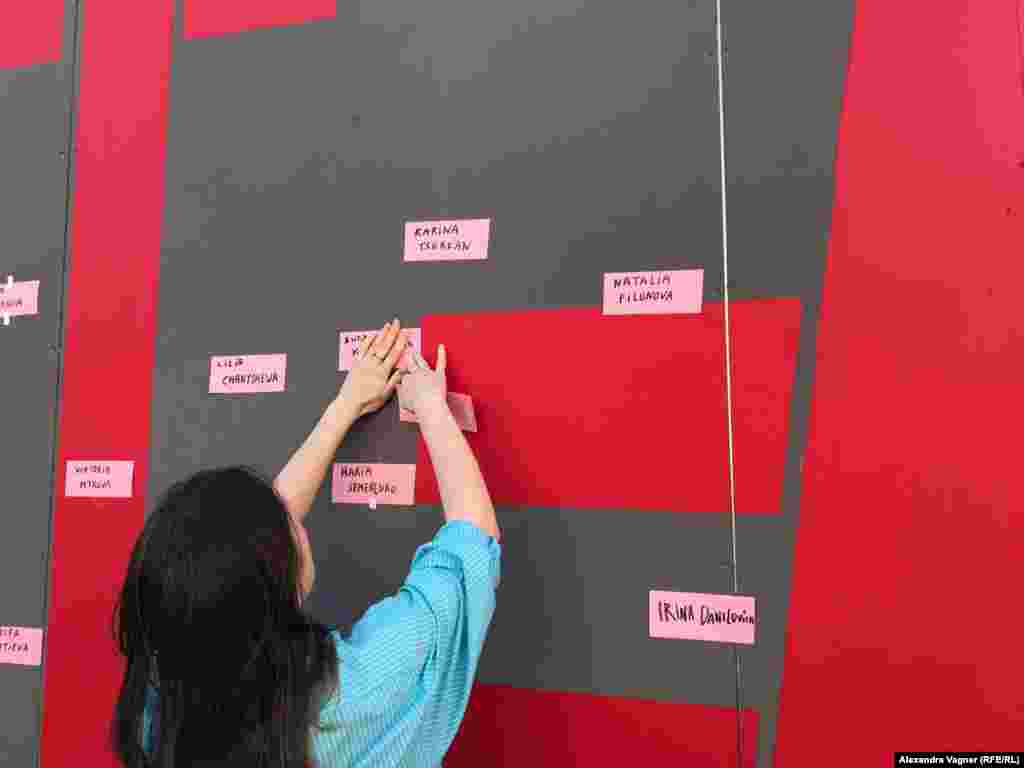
(464, 494)
(420, 648)
(368, 386)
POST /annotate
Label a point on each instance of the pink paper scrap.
(698, 616)
(19, 299)
(237, 374)
(461, 407)
(21, 645)
(349, 342)
(661, 292)
(373, 483)
(99, 479)
(452, 240)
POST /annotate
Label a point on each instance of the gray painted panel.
(572, 610)
(765, 552)
(588, 131)
(19, 716)
(32, 191)
(281, 143)
(784, 89)
(26, 449)
(284, 224)
(34, 103)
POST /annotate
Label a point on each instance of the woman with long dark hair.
(223, 666)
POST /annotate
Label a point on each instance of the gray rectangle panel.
(34, 104)
(573, 603)
(588, 132)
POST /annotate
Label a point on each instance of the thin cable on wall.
(725, 287)
(720, 83)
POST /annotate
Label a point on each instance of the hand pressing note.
(463, 491)
(373, 378)
(422, 388)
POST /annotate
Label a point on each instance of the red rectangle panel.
(31, 32)
(550, 729)
(577, 409)
(208, 18)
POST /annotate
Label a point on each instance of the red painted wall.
(108, 358)
(507, 726)
(905, 613)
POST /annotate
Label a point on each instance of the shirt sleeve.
(455, 578)
(407, 668)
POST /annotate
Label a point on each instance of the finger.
(396, 351)
(377, 336)
(418, 357)
(364, 345)
(374, 352)
(442, 358)
(393, 383)
(387, 339)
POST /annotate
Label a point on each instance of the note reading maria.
(373, 483)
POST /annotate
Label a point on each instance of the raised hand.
(422, 388)
(373, 378)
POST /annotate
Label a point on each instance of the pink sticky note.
(232, 374)
(697, 616)
(99, 479)
(19, 298)
(21, 645)
(453, 240)
(349, 342)
(373, 483)
(668, 292)
(461, 407)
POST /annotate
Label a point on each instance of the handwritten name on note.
(22, 646)
(461, 407)
(668, 292)
(373, 483)
(699, 616)
(238, 374)
(99, 479)
(349, 342)
(18, 299)
(454, 240)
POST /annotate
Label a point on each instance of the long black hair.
(220, 658)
